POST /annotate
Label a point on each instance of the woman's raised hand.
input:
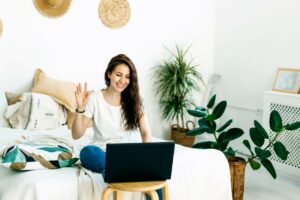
(82, 96)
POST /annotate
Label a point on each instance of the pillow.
(36, 112)
(12, 98)
(62, 91)
(33, 156)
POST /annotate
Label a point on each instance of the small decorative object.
(1, 27)
(287, 80)
(175, 79)
(114, 13)
(52, 8)
(262, 142)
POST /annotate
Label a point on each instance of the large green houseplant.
(174, 80)
(223, 135)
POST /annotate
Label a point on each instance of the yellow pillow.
(61, 91)
(12, 98)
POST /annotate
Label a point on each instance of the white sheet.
(197, 174)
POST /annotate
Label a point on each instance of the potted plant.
(174, 80)
(223, 135)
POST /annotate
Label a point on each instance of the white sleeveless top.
(107, 122)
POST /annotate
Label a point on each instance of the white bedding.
(197, 175)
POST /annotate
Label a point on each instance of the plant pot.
(178, 135)
(237, 171)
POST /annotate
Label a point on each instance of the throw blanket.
(90, 185)
(36, 112)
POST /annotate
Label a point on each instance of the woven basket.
(237, 172)
(178, 135)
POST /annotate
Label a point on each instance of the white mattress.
(197, 174)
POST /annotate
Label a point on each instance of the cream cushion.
(61, 91)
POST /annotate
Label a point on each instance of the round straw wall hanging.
(114, 13)
(52, 8)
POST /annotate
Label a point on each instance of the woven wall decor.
(52, 8)
(114, 13)
(1, 27)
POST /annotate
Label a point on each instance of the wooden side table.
(148, 187)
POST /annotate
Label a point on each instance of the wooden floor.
(259, 185)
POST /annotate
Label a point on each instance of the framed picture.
(287, 80)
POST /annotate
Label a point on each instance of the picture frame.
(287, 80)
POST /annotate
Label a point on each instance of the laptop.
(132, 162)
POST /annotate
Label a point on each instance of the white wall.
(77, 46)
(253, 39)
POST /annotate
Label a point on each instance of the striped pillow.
(33, 156)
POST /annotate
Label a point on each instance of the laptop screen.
(130, 162)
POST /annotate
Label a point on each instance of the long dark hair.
(132, 108)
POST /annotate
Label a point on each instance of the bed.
(197, 174)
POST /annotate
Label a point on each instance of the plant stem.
(274, 139)
(270, 143)
(246, 155)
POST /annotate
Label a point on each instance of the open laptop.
(130, 162)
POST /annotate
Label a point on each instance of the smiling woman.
(115, 111)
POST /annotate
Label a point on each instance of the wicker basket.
(178, 135)
(237, 172)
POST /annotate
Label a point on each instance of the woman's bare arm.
(80, 124)
(145, 129)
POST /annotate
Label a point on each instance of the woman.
(115, 111)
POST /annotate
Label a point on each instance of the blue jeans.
(93, 158)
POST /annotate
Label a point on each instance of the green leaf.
(222, 137)
(196, 113)
(280, 150)
(293, 126)
(275, 121)
(197, 131)
(202, 122)
(215, 145)
(200, 108)
(229, 152)
(223, 145)
(210, 117)
(212, 126)
(261, 129)
(230, 135)
(269, 166)
(247, 144)
(219, 109)
(256, 137)
(254, 164)
(222, 128)
(211, 102)
(262, 154)
(204, 145)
